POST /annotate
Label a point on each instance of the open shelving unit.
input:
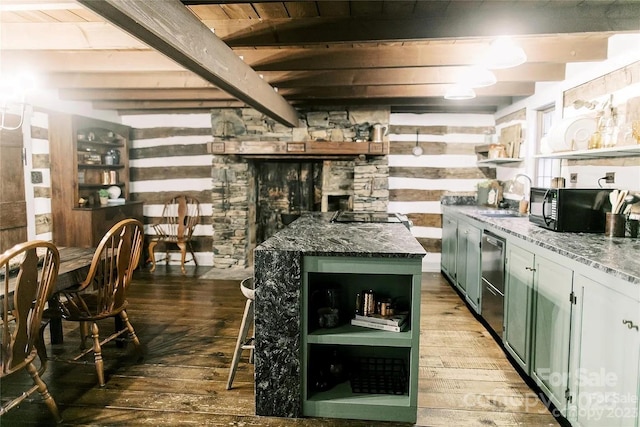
(396, 278)
(79, 148)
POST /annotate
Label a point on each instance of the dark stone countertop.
(618, 256)
(315, 234)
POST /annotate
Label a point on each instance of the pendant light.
(504, 53)
(459, 92)
(477, 76)
(417, 150)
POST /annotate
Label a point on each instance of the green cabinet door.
(461, 258)
(449, 246)
(472, 273)
(518, 307)
(553, 285)
(606, 380)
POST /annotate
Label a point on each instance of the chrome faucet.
(524, 176)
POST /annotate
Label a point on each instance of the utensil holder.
(614, 225)
(633, 227)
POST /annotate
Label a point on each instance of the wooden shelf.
(354, 335)
(499, 161)
(116, 143)
(624, 151)
(100, 166)
(306, 148)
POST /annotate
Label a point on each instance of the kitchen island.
(310, 254)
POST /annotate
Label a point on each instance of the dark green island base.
(343, 371)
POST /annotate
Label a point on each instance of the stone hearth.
(251, 192)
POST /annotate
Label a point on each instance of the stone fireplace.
(253, 194)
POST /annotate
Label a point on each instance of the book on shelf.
(393, 320)
(379, 326)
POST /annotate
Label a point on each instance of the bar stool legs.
(243, 342)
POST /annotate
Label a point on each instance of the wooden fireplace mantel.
(305, 148)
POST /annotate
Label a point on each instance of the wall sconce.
(504, 53)
(13, 95)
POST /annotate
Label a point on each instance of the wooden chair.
(103, 294)
(29, 273)
(180, 216)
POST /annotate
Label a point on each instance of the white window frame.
(546, 169)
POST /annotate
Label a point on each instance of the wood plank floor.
(188, 326)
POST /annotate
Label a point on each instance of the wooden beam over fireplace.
(296, 149)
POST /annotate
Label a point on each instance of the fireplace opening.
(284, 190)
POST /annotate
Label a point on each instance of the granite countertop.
(315, 234)
(617, 256)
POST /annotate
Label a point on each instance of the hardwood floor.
(188, 326)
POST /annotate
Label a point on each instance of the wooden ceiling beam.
(381, 76)
(435, 102)
(72, 37)
(463, 52)
(405, 91)
(343, 92)
(170, 28)
(124, 80)
(550, 50)
(409, 76)
(86, 61)
(513, 18)
(166, 105)
(162, 94)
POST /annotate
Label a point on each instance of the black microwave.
(576, 210)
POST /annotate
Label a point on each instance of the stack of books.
(394, 323)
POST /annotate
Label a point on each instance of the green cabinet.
(606, 377)
(573, 329)
(449, 246)
(460, 257)
(538, 319)
(518, 304)
(468, 268)
(551, 335)
(337, 361)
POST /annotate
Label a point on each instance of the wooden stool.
(244, 342)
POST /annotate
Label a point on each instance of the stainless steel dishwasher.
(493, 253)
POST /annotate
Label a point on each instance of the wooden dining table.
(73, 269)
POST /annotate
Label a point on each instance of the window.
(546, 168)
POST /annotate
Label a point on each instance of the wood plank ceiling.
(402, 54)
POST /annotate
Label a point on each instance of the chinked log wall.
(169, 157)
(446, 167)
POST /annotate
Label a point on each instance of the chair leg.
(193, 255)
(41, 347)
(84, 334)
(183, 255)
(132, 332)
(242, 335)
(152, 257)
(97, 352)
(44, 391)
